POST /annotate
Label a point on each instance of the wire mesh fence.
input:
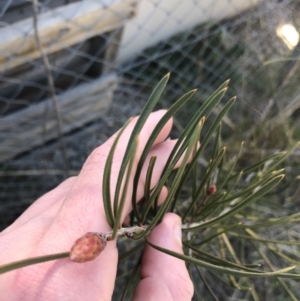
(90, 46)
(73, 71)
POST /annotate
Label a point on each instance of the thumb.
(164, 277)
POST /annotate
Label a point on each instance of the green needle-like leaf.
(220, 186)
(106, 179)
(30, 261)
(265, 240)
(217, 143)
(244, 203)
(225, 270)
(147, 188)
(168, 115)
(207, 138)
(294, 218)
(204, 111)
(260, 164)
(206, 284)
(132, 275)
(172, 191)
(148, 108)
(204, 181)
(131, 251)
(127, 178)
(219, 261)
(285, 155)
(208, 239)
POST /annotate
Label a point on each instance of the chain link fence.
(73, 71)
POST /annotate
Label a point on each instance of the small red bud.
(88, 247)
(212, 189)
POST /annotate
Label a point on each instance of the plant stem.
(127, 231)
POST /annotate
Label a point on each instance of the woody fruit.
(88, 247)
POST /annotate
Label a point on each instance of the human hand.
(57, 219)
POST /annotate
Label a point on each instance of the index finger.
(83, 208)
(81, 212)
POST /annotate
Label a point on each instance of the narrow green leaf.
(225, 200)
(177, 156)
(131, 251)
(287, 289)
(210, 207)
(213, 128)
(148, 108)
(169, 114)
(220, 186)
(265, 240)
(208, 239)
(282, 255)
(268, 262)
(217, 142)
(246, 192)
(234, 184)
(209, 258)
(172, 161)
(286, 154)
(171, 192)
(106, 178)
(207, 139)
(204, 182)
(235, 284)
(124, 192)
(30, 261)
(132, 275)
(206, 284)
(193, 141)
(273, 222)
(147, 188)
(221, 87)
(244, 203)
(259, 164)
(225, 270)
(204, 111)
(194, 179)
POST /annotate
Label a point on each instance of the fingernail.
(178, 233)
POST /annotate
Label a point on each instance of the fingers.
(82, 211)
(164, 277)
(162, 151)
(144, 135)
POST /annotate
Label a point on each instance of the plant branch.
(127, 231)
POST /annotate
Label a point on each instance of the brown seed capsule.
(88, 247)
